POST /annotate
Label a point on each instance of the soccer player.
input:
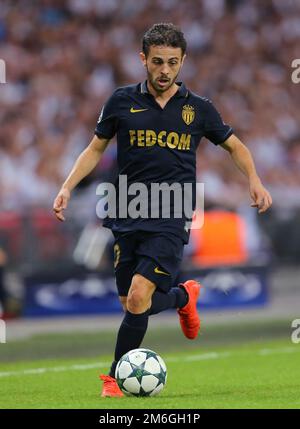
(159, 124)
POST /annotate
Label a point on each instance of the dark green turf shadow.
(166, 340)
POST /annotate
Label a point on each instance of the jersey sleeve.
(215, 129)
(107, 123)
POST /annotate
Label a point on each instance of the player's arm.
(243, 159)
(85, 163)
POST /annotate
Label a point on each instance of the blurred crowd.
(65, 57)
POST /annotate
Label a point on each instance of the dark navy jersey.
(158, 145)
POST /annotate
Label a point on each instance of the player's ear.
(182, 60)
(143, 59)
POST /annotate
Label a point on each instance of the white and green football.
(141, 372)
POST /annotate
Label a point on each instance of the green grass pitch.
(253, 374)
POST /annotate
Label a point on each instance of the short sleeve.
(215, 129)
(107, 123)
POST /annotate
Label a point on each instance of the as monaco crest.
(188, 114)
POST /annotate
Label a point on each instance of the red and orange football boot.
(188, 315)
(110, 388)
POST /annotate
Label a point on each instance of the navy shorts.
(154, 255)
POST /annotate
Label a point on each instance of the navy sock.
(130, 335)
(175, 298)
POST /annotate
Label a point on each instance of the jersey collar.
(182, 91)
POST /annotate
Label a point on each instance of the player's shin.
(130, 335)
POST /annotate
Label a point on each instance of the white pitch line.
(265, 352)
(36, 371)
(199, 357)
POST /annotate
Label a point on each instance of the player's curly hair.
(164, 34)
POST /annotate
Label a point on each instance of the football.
(141, 372)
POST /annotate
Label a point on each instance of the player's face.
(163, 65)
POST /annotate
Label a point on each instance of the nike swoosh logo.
(157, 271)
(133, 110)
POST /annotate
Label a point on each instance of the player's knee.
(136, 301)
(139, 296)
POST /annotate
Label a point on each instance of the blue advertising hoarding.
(88, 293)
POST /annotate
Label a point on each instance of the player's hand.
(260, 196)
(61, 203)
